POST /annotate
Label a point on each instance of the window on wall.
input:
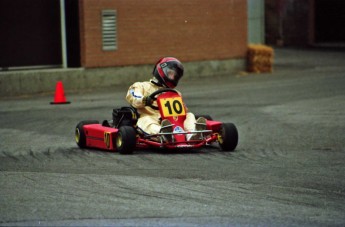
(109, 30)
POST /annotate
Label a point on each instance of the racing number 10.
(176, 105)
(173, 107)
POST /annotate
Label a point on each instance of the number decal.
(107, 139)
(172, 107)
(177, 106)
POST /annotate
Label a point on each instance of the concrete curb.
(31, 82)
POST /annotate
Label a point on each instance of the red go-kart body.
(122, 135)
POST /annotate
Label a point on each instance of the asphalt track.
(288, 169)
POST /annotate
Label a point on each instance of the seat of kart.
(127, 115)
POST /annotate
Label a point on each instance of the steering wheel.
(155, 94)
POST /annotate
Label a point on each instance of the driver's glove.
(147, 100)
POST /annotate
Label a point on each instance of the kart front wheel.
(80, 137)
(228, 137)
(125, 140)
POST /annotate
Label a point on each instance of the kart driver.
(166, 74)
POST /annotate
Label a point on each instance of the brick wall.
(191, 30)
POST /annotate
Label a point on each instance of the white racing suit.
(149, 120)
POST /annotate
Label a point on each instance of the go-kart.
(121, 133)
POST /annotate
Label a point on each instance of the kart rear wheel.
(228, 137)
(80, 137)
(125, 140)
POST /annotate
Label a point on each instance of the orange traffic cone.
(59, 94)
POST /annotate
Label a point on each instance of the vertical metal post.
(63, 34)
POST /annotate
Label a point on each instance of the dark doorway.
(30, 33)
(329, 21)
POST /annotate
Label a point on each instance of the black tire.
(208, 117)
(229, 137)
(125, 140)
(80, 137)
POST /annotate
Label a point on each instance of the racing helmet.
(168, 71)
